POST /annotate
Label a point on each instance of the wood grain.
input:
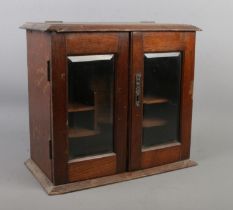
(154, 100)
(39, 93)
(106, 27)
(135, 113)
(163, 41)
(59, 108)
(118, 44)
(187, 94)
(168, 42)
(81, 132)
(80, 185)
(151, 122)
(121, 102)
(79, 107)
(92, 167)
(160, 156)
(91, 43)
(48, 104)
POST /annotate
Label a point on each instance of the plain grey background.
(207, 186)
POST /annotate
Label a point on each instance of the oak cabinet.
(108, 102)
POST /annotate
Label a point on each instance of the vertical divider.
(121, 102)
(59, 108)
(136, 112)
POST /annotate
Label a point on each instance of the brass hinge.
(50, 149)
(48, 71)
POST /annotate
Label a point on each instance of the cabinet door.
(161, 97)
(94, 92)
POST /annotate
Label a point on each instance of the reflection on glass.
(162, 74)
(90, 105)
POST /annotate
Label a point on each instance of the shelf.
(82, 132)
(152, 122)
(79, 107)
(154, 100)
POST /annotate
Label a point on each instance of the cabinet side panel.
(38, 47)
(187, 94)
(59, 108)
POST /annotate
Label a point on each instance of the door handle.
(138, 83)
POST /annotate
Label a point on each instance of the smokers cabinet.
(108, 102)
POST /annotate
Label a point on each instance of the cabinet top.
(62, 27)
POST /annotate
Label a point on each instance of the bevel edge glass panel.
(160, 55)
(89, 58)
(171, 54)
(73, 140)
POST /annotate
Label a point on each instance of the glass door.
(161, 98)
(161, 78)
(90, 105)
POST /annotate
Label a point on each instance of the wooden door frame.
(63, 45)
(150, 42)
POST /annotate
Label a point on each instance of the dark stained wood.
(159, 156)
(38, 48)
(79, 107)
(187, 94)
(61, 27)
(104, 92)
(81, 132)
(92, 167)
(154, 100)
(121, 102)
(103, 43)
(135, 114)
(91, 43)
(81, 185)
(59, 108)
(163, 41)
(49, 108)
(151, 122)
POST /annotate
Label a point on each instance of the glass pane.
(162, 74)
(90, 109)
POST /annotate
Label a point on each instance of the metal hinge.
(50, 149)
(48, 71)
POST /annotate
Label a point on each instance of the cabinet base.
(74, 186)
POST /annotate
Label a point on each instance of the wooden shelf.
(79, 107)
(82, 132)
(152, 122)
(154, 100)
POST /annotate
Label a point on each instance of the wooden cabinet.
(108, 102)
